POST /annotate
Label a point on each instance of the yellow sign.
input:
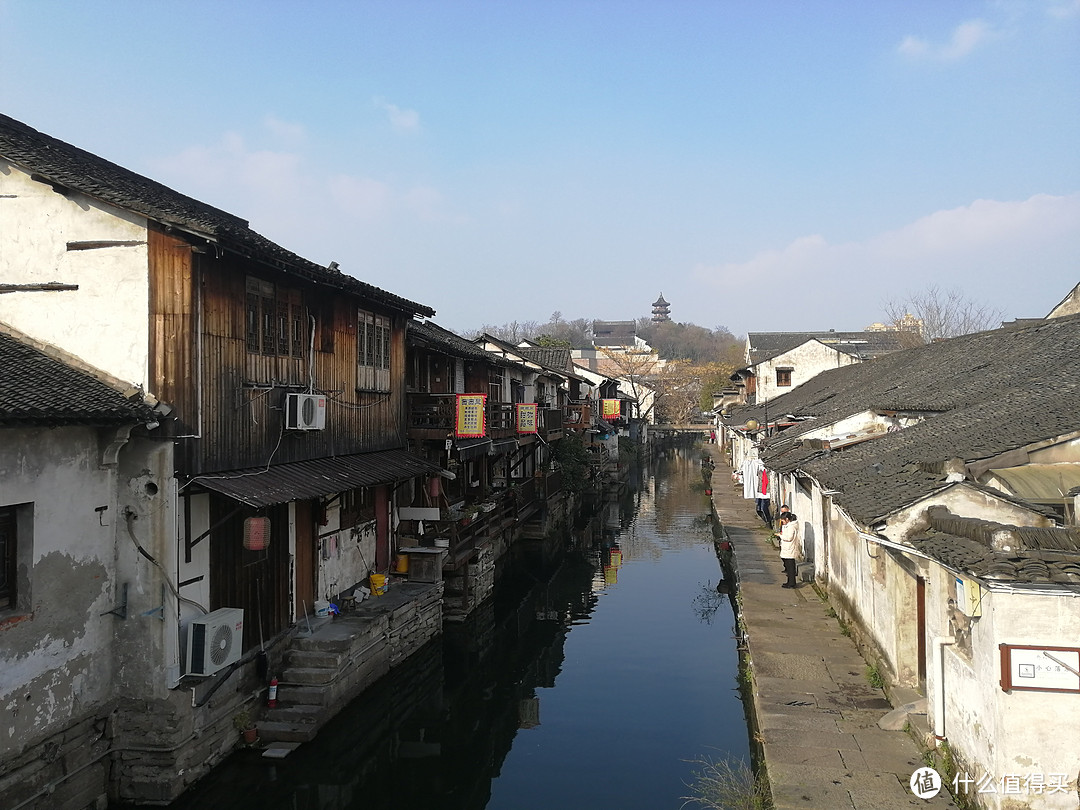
(526, 417)
(610, 409)
(470, 422)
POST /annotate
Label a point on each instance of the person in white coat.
(790, 546)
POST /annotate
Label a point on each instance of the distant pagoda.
(661, 310)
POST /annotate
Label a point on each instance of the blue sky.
(768, 166)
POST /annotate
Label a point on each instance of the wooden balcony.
(431, 416)
(500, 420)
(578, 416)
(550, 423)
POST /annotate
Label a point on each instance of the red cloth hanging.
(764, 482)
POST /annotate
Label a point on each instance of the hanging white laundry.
(752, 478)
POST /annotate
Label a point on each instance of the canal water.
(598, 683)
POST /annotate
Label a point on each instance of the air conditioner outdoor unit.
(214, 641)
(305, 412)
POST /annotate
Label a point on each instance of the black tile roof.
(318, 477)
(981, 395)
(67, 167)
(554, 358)
(529, 353)
(766, 345)
(996, 551)
(972, 557)
(36, 389)
(449, 342)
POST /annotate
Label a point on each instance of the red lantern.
(256, 533)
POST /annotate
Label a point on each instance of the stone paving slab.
(816, 711)
(790, 720)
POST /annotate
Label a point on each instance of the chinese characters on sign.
(610, 409)
(926, 783)
(1012, 784)
(469, 422)
(1040, 669)
(526, 417)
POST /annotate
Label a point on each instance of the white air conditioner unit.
(305, 412)
(214, 641)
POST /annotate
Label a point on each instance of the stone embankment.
(815, 711)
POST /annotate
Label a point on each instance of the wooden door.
(256, 581)
(307, 569)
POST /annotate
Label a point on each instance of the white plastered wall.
(1014, 734)
(56, 659)
(805, 361)
(105, 321)
(345, 556)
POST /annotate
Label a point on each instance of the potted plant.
(244, 724)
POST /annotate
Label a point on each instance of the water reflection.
(709, 599)
(592, 684)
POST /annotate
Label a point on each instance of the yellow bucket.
(378, 584)
(402, 564)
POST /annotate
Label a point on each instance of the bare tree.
(640, 370)
(935, 313)
(512, 332)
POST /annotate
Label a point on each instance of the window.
(459, 377)
(275, 320)
(8, 548)
(15, 548)
(495, 384)
(783, 377)
(357, 506)
(373, 352)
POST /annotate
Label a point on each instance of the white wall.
(962, 501)
(345, 556)
(806, 362)
(991, 731)
(105, 321)
(56, 661)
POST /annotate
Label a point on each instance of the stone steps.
(308, 676)
(299, 713)
(313, 658)
(342, 657)
(292, 695)
(271, 731)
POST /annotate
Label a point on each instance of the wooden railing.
(550, 423)
(432, 414)
(578, 416)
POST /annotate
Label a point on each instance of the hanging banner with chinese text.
(610, 408)
(470, 422)
(526, 417)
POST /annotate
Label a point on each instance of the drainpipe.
(940, 643)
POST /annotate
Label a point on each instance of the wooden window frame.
(374, 354)
(783, 377)
(274, 320)
(496, 383)
(9, 557)
(357, 507)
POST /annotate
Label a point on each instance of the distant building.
(661, 310)
(776, 362)
(909, 323)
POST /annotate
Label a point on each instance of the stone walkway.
(816, 712)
